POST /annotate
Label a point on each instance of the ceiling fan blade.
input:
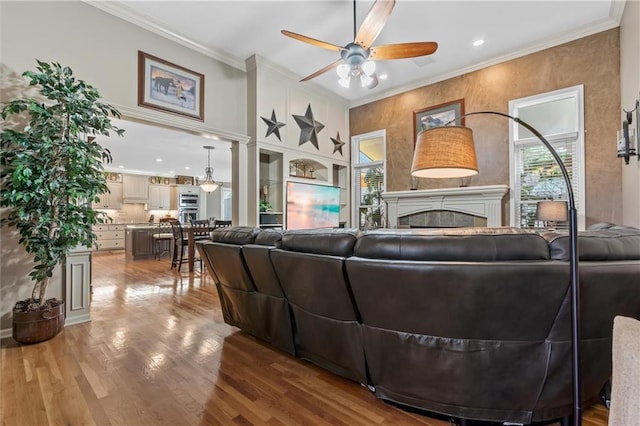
(403, 50)
(373, 23)
(323, 70)
(312, 41)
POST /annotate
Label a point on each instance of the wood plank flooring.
(157, 352)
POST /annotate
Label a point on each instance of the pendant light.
(208, 185)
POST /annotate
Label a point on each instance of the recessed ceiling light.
(159, 160)
(478, 42)
(121, 166)
(383, 76)
(171, 171)
(187, 168)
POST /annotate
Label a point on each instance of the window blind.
(539, 177)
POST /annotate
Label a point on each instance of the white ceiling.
(232, 31)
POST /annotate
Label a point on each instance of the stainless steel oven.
(187, 214)
(186, 199)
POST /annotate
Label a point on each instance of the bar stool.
(162, 238)
(180, 246)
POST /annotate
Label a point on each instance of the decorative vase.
(38, 326)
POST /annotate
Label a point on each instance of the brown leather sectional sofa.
(469, 323)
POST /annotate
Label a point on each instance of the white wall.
(102, 50)
(630, 92)
(15, 284)
(279, 90)
(271, 88)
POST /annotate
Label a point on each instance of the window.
(225, 203)
(369, 179)
(534, 174)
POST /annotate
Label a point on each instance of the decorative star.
(273, 125)
(337, 144)
(309, 127)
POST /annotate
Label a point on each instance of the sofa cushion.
(613, 243)
(332, 242)
(269, 237)
(457, 244)
(235, 235)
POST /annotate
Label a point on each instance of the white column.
(77, 286)
(239, 182)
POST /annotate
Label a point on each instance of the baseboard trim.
(77, 320)
(6, 332)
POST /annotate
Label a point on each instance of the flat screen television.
(312, 206)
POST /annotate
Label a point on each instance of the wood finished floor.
(158, 353)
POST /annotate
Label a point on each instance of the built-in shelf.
(276, 168)
(302, 176)
(308, 169)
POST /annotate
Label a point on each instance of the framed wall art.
(185, 180)
(436, 116)
(170, 87)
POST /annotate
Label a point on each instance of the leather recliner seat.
(472, 323)
(327, 329)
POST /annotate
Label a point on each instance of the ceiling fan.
(356, 58)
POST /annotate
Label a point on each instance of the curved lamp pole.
(454, 159)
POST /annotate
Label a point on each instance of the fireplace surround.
(478, 201)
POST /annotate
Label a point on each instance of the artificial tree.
(51, 170)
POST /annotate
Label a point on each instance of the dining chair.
(201, 235)
(222, 223)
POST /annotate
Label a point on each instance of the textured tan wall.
(593, 61)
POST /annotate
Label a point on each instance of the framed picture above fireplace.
(436, 116)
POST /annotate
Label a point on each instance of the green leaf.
(49, 172)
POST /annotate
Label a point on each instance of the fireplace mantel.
(483, 201)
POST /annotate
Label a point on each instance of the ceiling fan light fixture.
(374, 81)
(208, 185)
(365, 80)
(343, 70)
(345, 81)
(369, 67)
(354, 57)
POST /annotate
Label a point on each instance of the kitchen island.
(139, 241)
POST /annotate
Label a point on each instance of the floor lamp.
(447, 152)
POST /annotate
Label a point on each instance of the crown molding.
(602, 25)
(121, 11)
(295, 152)
(617, 10)
(256, 61)
(169, 121)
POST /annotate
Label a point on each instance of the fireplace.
(446, 207)
(441, 219)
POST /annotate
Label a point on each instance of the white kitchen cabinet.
(111, 199)
(135, 189)
(159, 197)
(110, 236)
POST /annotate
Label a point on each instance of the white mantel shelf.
(483, 201)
